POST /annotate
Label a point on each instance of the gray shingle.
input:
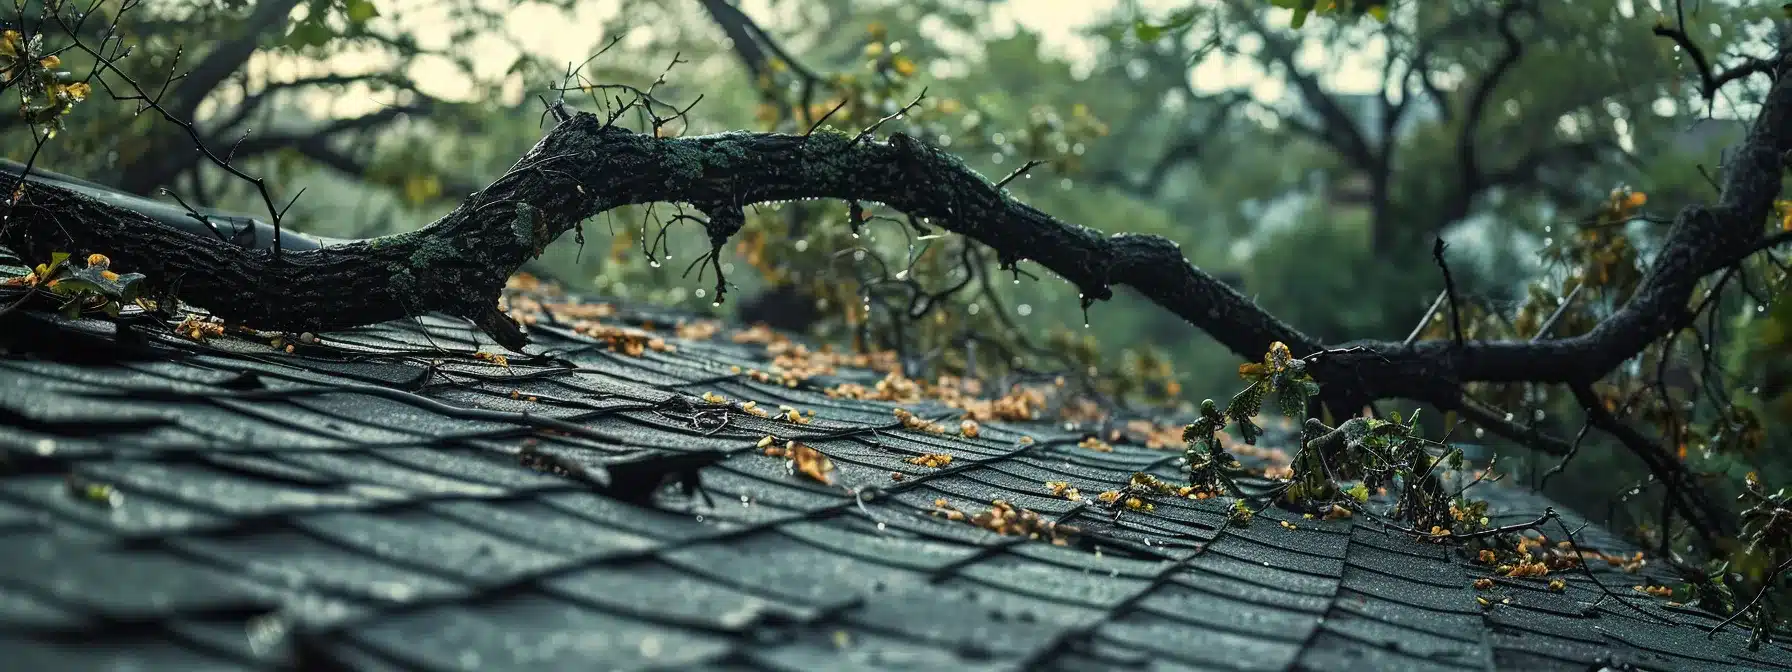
(392, 524)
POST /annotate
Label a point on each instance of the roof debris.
(803, 459)
(1006, 519)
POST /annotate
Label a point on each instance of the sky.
(573, 36)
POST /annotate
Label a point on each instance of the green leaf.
(1146, 32)
(360, 11)
(308, 33)
(1300, 16)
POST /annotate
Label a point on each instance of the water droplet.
(1480, 432)
(654, 264)
(702, 293)
(1024, 310)
(902, 274)
(1508, 417)
(880, 527)
(858, 255)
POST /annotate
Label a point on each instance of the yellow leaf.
(903, 65)
(420, 188)
(810, 462)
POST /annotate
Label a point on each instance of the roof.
(385, 498)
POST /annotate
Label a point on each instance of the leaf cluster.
(1279, 374)
(46, 94)
(84, 285)
(1335, 467)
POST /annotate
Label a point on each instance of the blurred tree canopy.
(1329, 159)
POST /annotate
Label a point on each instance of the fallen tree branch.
(586, 166)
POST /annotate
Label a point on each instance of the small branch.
(1685, 494)
(1019, 172)
(1759, 594)
(1429, 313)
(1437, 253)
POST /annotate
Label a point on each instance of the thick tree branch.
(585, 166)
(1187, 148)
(191, 89)
(1686, 495)
(1473, 181)
(254, 102)
(228, 57)
(752, 44)
(318, 148)
(1337, 128)
(261, 144)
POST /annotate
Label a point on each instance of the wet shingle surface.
(368, 503)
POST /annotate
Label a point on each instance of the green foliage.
(86, 285)
(1335, 468)
(1348, 8)
(1280, 374)
(326, 20)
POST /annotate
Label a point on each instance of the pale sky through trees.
(573, 37)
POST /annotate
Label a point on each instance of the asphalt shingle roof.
(366, 503)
